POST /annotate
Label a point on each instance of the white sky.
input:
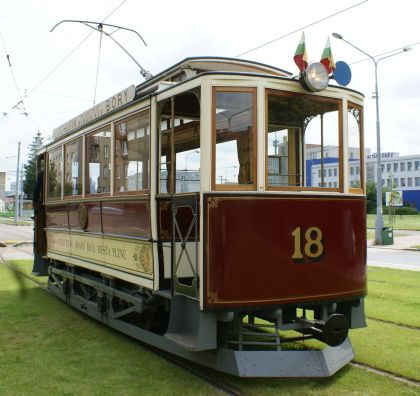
(176, 30)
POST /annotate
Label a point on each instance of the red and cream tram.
(216, 211)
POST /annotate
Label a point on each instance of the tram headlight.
(315, 78)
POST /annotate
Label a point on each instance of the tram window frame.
(80, 167)
(105, 128)
(359, 110)
(172, 110)
(235, 186)
(49, 198)
(301, 148)
(121, 174)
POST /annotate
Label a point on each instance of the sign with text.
(132, 255)
(114, 102)
(394, 198)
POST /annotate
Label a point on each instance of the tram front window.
(235, 139)
(303, 145)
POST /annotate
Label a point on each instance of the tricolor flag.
(327, 58)
(300, 58)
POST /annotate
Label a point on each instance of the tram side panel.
(266, 250)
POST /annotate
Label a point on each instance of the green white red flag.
(327, 58)
(301, 58)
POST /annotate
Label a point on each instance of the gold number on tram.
(313, 243)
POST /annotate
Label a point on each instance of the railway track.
(221, 388)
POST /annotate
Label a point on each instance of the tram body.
(208, 212)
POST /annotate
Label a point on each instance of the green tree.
(371, 197)
(30, 166)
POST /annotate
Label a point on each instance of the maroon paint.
(56, 216)
(249, 248)
(126, 218)
(94, 216)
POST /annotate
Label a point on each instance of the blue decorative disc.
(342, 73)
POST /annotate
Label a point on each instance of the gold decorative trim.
(213, 203)
(212, 297)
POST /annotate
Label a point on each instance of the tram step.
(188, 341)
(189, 327)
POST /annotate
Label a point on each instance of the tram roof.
(192, 66)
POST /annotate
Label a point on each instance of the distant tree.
(371, 197)
(30, 166)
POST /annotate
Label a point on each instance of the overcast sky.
(57, 81)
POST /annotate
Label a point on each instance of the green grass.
(394, 295)
(402, 222)
(49, 348)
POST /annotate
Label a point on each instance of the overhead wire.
(385, 53)
(63, 60)
(14, 78)
(301, 28)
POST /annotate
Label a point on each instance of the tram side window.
(302, 141)
(235, 139)
(73, 168)
(132, 156)
(54, 173)
(355, 122)
(179, 168)
(97, 178)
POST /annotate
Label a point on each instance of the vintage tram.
(216, 211)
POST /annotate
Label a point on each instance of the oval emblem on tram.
(83, 216)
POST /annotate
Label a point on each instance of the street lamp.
(379, 221)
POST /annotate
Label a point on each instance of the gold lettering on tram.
(313, 247)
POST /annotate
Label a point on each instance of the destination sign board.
(114, 102)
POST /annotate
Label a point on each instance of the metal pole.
(17, 186)
(379, 220)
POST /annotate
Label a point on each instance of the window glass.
(97, 180)
(132, 156)
(179, 167)
(354, 139)
(235, 147)
(303, 133)
(73, 168)
(54, 173)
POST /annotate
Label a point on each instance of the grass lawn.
(404, 222)
(50, 348)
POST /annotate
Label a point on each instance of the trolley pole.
(17, 186)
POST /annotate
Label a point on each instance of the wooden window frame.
(234, 187)
(339, 103)
(106, 127)
(81, 164)
(362, 189)
(47, 173)
(122, 174)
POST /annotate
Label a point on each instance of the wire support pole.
(17, 185)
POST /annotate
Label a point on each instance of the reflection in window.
(132, 154)
(303, 131)
(73, 168)
(354, 146)
(54, 173)
(235, 136)
(96, 180)
(179, 167)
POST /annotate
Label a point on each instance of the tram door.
(178, 198)
(40, 242)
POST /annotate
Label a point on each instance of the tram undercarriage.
(242, 343)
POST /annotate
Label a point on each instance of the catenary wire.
(301, 28)
(64, 59)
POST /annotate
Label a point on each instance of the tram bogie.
(209, 212)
